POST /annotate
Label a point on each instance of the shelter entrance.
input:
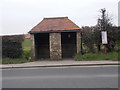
(68, 41)
(42, 45)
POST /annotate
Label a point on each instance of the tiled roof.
(55, 24)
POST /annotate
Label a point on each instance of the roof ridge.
(56, 18)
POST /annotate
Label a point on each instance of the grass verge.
(99, 56)
(14, 61)
(24, 58)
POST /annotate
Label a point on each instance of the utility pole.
(103, 19)
(103, 29)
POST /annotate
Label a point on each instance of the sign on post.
(104, 37)
(104, 40)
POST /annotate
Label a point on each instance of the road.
(61, 77)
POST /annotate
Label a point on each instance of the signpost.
(103, 31)
(104, 37)
(104, 40)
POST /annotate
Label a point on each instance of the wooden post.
(105, 51)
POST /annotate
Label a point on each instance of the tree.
(88, 37)
(105, 23)
(91, 36)
(97, 36)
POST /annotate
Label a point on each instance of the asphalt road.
(61, 77)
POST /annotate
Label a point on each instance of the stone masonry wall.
(55, 46)
(78, 34)
(33, 54)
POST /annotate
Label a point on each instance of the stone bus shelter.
(55, 38)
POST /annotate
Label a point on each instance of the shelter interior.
(68, 44)
(42, 45)
(68, 41)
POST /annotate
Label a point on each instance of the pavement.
(59, 63)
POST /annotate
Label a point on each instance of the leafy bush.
(27, 54)
(12, 46)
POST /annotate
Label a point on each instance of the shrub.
(12, 46)
(27, 54)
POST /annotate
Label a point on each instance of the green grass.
(98, 56)
(26, 45)
(0, 60)
(14, 61)
(24, 58)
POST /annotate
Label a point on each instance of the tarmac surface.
(102, 76)
(59, 63)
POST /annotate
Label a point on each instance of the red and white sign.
(104, 37)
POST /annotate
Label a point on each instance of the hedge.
(12, 46)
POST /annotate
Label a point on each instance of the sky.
(119, 13)
(20, 16)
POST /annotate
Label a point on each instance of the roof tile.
(54, 24)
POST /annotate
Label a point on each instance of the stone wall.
(33, 54)
(78, 35)
(55, 46)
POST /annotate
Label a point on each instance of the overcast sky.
(20, 16)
